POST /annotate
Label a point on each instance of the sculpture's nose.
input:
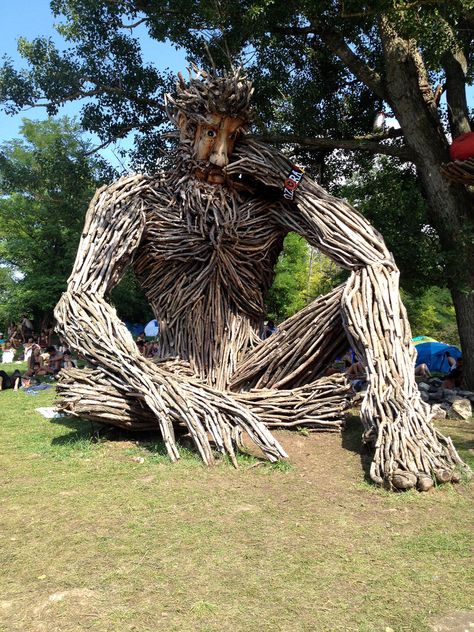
(219, 155)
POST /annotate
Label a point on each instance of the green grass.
(99, 532)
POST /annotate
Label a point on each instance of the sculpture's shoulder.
(126, 188)
(131, 193)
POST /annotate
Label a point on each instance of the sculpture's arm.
(113, 229)
(394, 416)
(328, 223)
(374, 317)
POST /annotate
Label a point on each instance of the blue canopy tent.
(433, 354)
(152, 328)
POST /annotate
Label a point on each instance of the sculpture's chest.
(221, 260)
(243, 232)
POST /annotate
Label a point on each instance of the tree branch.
(406, 7)
(133, 25)
(455, 67)
(455, 64)
(339, 47)
(351, 144)
(100, 89)
(121, 134)
(392, 132)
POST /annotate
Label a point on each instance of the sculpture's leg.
(90, 395)
(409, 451)
(281, 379)
(318, 407)
(300, 351)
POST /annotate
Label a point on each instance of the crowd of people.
(41, 356)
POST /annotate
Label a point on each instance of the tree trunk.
(464, 306)
(451, 208)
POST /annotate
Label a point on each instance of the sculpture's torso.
(206, 277)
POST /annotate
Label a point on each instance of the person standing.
(26, 328)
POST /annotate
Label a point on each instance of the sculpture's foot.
(90, 395)
(411, 453)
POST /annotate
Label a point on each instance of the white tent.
(152, 328)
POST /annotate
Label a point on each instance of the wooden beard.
(212, 210)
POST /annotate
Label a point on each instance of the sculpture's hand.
(206, 411)
(259, 161)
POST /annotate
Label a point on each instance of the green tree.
(321, 67)
(431, 313)
(323, 275)
(389, 194)
(46, 182)
(287, 294)
(7, 285)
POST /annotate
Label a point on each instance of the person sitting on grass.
(355, 370)
(10, 381)
(8, 353)
(151, 349)
(52, 360)
(68, 362)
(28, 348)
(36, 370)
(451, 361)
(422, 370)
(43, 339)
(35, 357)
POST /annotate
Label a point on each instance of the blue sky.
(33, 18)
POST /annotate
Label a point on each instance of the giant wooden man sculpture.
(203, 239)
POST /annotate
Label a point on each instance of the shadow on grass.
(81, 430)
(148, 443)
(352, 441)
(465, 448)
(94, 432)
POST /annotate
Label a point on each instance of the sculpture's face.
(213, 143)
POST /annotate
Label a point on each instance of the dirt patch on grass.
(456, 622)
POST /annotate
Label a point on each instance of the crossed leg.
(299, 352)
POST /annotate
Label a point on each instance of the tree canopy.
(319, 66)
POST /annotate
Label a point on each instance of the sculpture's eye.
(211, 133)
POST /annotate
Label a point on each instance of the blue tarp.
(433, 354)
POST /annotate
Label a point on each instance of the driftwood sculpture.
(203, 239)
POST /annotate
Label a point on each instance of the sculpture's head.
(210, 112)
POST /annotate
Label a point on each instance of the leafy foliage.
(431, 313)
(286, 296)
(130, 301)
(47, 179)
(301, 275)
(389, 195)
